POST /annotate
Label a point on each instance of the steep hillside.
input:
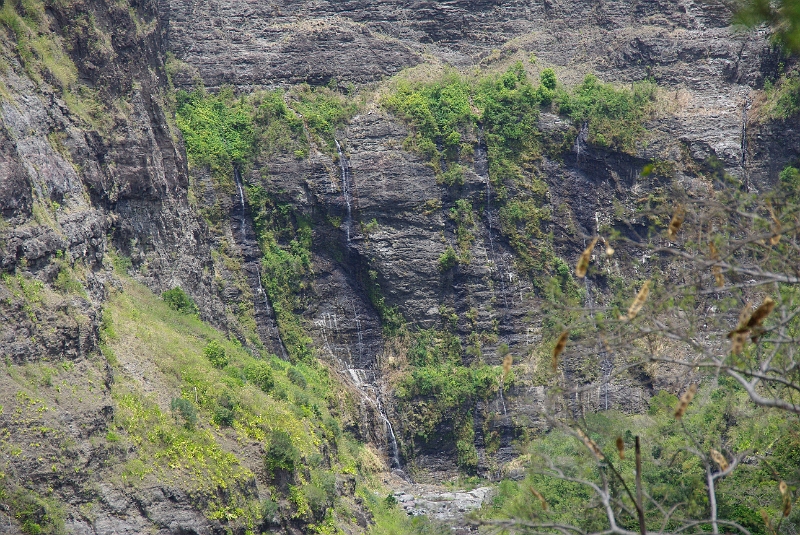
(365, 215)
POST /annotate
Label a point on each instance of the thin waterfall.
(238, 178)
(344, 166)
(371, 393)
(588, 302)
(252, 257)
(481, 154)
(275, 330)
(360, 335)
(580, 139)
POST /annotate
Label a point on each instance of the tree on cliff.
(713, 300)
(783, 16)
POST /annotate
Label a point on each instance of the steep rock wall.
(706, 69)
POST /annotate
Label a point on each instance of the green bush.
(215, 353)
(186, 410)
(448, 259)
(281, 453)
(224, 410)
(296, 377)
(548, 78)
(782, 98)
(320, 492)
(260, 374)
(217, 129)
(615, 116)
(177, 299)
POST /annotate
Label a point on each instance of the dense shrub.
(186, 410)
(615, 117)
(281, 453)
(448, 259)
(215, 353)
(177, 299)
(260, 374)
(296, 377)
(217, 129)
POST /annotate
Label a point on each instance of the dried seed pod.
(787, 498)
(583, 261)
(686, 398)
(761, 312)
(609, 249)
(638, 303)
(539, 495)
(560, 344)
(739, 335)
(621, 448)
(677, 221)
(593, 447)
(719, 459)
(737, 342)
(776, 229)
(719, 280)
(765, 518)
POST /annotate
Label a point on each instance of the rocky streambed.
(439, 503)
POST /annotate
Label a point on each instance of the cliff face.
(90, 157)
(707, 72)
(88, 160)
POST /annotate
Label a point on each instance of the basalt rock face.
(68, 187)
(708, 72)
(83, 165)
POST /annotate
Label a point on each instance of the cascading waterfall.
(344, 166)
(482, 156)
(502, 400)
(238, 178)
(580, 139)
(252, 254)
(371, 393)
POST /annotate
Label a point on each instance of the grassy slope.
(159, 357)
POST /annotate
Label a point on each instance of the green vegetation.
(222, 131)
(36, 514)
(217, 129)
(448, 259)
(446, 126)
(391, 318)
(260, 374)
(615, 116)
(438, 389)
(178, 300)
(285, 240)
(782, 98)
(242, 399)
(720, 417)
(215, 354)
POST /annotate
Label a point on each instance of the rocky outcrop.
(87, 161)
(72, 182)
